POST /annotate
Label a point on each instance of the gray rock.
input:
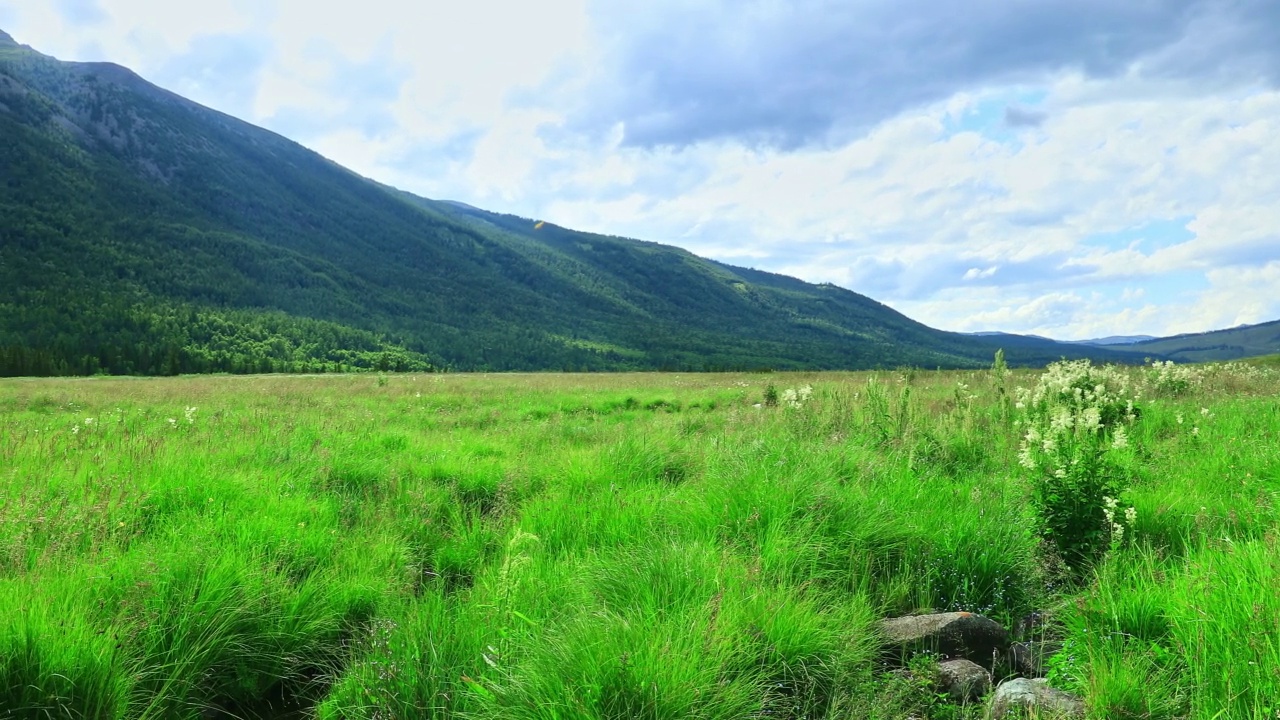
(964, 680)
(1027, 658)
(952, 635)
(1027, 697)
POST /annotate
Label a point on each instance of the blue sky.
(1070, 168)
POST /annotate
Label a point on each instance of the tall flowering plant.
(1076, 423)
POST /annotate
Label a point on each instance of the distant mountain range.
(143, 233)
(1230, 344)
(1114, 340)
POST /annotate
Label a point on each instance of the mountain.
(1114, 340)
(1000, 334)
(143, 233)
(1244, 341)
(1231, 344)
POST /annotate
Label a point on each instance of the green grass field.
(608, 546)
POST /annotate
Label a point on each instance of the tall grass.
(590, 546)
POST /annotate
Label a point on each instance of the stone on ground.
(963, 680)
(1025, 697)
(952, 635)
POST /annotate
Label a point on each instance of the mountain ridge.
(1114, 340)
(1235, 343)
(144, 233)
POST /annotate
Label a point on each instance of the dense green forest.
(141, 233)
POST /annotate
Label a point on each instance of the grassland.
(606, 546)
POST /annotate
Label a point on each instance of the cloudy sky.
(1071, 168)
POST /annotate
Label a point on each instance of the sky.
(1068, 168)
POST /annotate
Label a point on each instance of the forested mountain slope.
(1230, 344)
(143, 233)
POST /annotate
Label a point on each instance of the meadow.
(626, 545)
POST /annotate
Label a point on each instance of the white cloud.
(908, 212)
(945, 209)
(1236, 296)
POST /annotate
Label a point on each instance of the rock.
(963, 680)
(1023, 696)
(952, 635)
(1027, 658)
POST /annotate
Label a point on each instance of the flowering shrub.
(1116, 528)
(1242, 371)
(795, 398)
(1077, 420)
(1168, 378)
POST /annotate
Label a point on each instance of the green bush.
(1077, 421)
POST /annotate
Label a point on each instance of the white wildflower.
(1131, 516)
(1179, 418)
(1120, 439)
(1025, 459)
(1090, 419)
